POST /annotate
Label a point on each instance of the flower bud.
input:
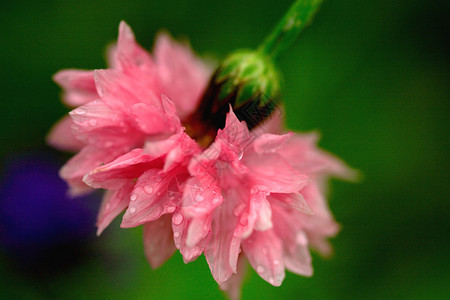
(249, 82)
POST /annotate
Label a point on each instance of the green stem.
(286, 31)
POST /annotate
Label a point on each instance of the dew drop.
(80, 111)
(176, 234)
(254, 191)
(260, 269)
(93, 122)
(148, 189)
(199, 198)
(276, 262)
(171, 208)
(133, 197)
(177, 219)
(132, 209)
(158, 179)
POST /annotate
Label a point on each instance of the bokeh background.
(371, 76)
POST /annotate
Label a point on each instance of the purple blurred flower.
(37, 217)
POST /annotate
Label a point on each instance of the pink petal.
(198, 230)
(153, 119)
(183, 77)
(265, 253)
(154, 194)
(114, 202)
(223, 248)
(288, 228)
(79, 86)
(301, 152)
(129, 55)
(128, 166)
(121, 91)
(272, 173)
(264, 215)
(295, 201)
(270, 142)
(299, 261)
(200, 199)
(180, 225)
(82, 163)
(321, 225)
(62, 137)
(158, 241)
(97, 124)
(235, 132)
(232, 286)
(150, 119)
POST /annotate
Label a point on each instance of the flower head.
(231, 191)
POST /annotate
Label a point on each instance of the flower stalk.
(287, 30)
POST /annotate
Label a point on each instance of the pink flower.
(118, 108)
(248, 195)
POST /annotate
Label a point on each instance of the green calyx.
(250, 75)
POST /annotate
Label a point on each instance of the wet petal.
(232, 286)
(182, 76)
(158, 241)
(271, 171)
(62, 137)
(82, 163)
(265, 253)
(154, 194)
(114, 202)
(270, 142)
(79, 86)
(127, 166)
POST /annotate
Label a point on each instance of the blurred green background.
(372, 76)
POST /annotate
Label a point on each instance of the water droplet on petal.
(158, 179)
(93, 122)
(171, 208)
(199, 198)
(133, 197)
(260, 269)
(276, 262)
(177, 219)
(148, 189)
(132, 210)
(176, 234)
(80, 111)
